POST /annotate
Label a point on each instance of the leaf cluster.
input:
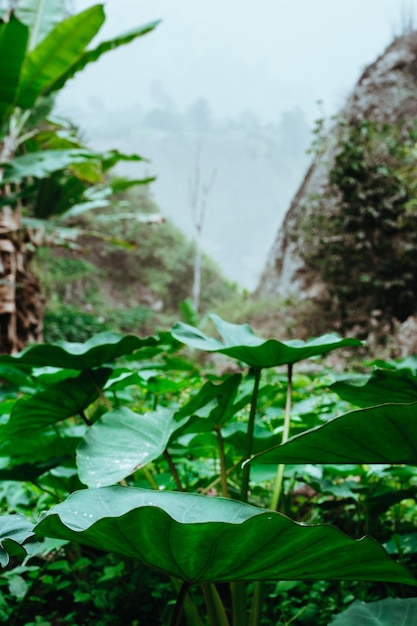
(137, 446)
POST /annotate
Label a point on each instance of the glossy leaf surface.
(202, 539)
(382, 434)
(382, 386)
(44, 445)
(100, 349)
(240, 342)
(388, 612)
(120, 442)
(14, 531)
(213, 404)
(55, 403)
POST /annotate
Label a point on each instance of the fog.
(238, 82)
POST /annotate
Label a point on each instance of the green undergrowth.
(79, 420)
(123, 274)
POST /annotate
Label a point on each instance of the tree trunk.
(21, 304)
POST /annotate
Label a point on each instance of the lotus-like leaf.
(240, 342)
(100, 349)
(203, 539)
(55, 403)
(42, 446)
(382, 386)
(120, 442)
(214, 403)
(381, 434)
(388, 612)
(14, 531)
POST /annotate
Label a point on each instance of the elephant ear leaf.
(379, 434)
(401, 612)
(100, 349)
(201, 539)
(120, 442)
(240, 342)
(381, 387)
(15, 530)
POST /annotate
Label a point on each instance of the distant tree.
(163, 119)
(198, 115)
(199, 191)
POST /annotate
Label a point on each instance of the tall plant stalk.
(223, 470)
(215, 610)
(238, 589)
(176, 617)
(285, 436)
(249, 435)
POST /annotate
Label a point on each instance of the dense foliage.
(46, 173)
(80, 418)
(361, 237)
(125, 273)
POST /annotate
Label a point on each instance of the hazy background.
(238, 82)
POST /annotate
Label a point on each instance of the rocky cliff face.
(386, 92)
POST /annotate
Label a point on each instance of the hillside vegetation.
(123, 274)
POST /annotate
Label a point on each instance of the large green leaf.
(90, 56)
(203, 539)
(43, 163)
(41, 16)
(13, 43)
(240, 342)
(26, 471)
(382, 386)
(100, 349)
(388, 612)
(214, 403)
(120, 442)
(43, 446)
(56, 54)
(14, 531)
(381, 434)
(55, 403)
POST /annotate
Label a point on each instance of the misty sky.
(265, 55)
(272, 58)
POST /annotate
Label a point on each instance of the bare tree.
(198, 192)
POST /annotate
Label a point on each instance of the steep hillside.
(383, 105)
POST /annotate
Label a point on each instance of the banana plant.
(39, 52)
